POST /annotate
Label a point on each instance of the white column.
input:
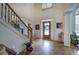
(72, 22)
(67, 28)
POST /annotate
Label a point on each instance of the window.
(49, 5)
(77, 25)
(43, 5)
(46, 5)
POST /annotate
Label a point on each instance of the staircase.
(14, 24)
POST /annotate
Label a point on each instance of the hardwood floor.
(45, 47)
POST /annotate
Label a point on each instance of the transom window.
(46, 5)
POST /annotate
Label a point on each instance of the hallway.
(45, 47)
(56, 22)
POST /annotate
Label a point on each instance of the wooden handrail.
(16, 14)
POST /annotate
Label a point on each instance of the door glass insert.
(46, 28)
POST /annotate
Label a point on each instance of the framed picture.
(58, 25)
(37, 27)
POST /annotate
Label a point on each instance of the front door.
(46, 30)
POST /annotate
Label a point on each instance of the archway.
(77, 22)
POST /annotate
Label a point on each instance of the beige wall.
(55, 13)
(24, 10)
(37, 19)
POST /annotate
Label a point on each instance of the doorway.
(46, 30)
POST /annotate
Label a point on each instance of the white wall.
(11, 38)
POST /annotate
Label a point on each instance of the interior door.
(46, 30)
